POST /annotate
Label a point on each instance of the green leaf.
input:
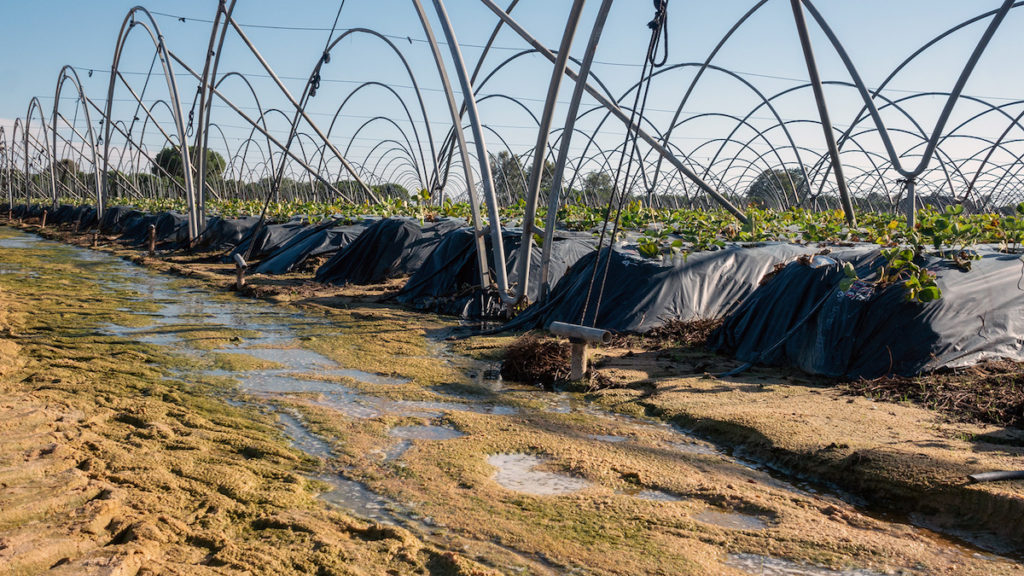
(929, 294)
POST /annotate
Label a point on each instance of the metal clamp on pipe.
(579, 336)
(240, 267)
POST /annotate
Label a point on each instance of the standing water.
(537, 446)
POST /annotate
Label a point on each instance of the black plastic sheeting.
(115, 218)
(268, 239)
(641, 293)
(803, 319)
(225, 233)
(316, 241)
(448, 282)
(388, 248)
(80, 217)
(171, 228)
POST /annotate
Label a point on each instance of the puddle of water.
(15, 242)
(649, 494)
(352, 405)
(698, 448)
(143, 335)
(560, 405)
(516, 472)
(767, 566)
(429, 409)
(424, 432)
(397, 451)
(293, 358)
(731, 520)
(278, 328)
(608, 438)
(356, 497)
(302, 438)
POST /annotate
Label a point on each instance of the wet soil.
(628, 482)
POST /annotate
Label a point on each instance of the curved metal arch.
(991, 146)
(397, 146)
(1016, 166)
(18, 125)
(680, 163)
(415, 132)
(412, 78)
(988, 109)
(256, 99)
(403, 162)
(68, 73)
(953, 96)
(307, 174)
(157, 37)
(6, 163)
(387, 120)
(865, 109)
(514, 156)
(700, 72)
(821, 157)
(758, 133)
(34, 104)
(227, 152)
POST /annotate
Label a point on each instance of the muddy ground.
(117, 457)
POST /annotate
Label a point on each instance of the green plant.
(900, 267)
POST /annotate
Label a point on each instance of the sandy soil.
(215, 486)
(111, 465)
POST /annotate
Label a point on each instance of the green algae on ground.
(384, 341)
(240, 362)
(604, 529)
(141, 468)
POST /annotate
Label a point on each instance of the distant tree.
(349, 188)
(511, 174)
(118, 184)
(169, 159)
(777, 188)
(390, 190)
(597, 188)
(66, 173)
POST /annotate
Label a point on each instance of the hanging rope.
(656, 25)
(311, 88)
(659, 32)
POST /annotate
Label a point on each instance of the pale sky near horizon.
(38, 37)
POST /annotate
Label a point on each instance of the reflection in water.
(355, 496)
(767, 566)
(731, 520)
(516, 472)
(426, 432)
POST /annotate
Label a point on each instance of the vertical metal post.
(497, 243)
(460, 138)
(206, 84)
(543, 131)
(911, 203)
(826, 122)
(618, 113)
(554, 196)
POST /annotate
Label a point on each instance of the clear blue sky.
(38, 37)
